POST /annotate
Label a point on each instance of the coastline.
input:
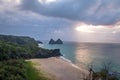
(60, 68)
(72, 64)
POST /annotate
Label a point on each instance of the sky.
(70, 20)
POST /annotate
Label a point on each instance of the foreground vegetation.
(13, 52)
(19, 69)
(33, 74)
(106, 72)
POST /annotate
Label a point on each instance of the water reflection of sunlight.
(83, 57)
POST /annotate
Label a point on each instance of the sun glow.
(85, 28)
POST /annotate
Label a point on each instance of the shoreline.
(60, 68)
(63, 58)
(72, 64)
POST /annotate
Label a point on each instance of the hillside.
(13, 52)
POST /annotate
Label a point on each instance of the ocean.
(87, 54)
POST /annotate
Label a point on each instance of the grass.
(33, 74)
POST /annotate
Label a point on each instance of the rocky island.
(52, 41)
(58, 41)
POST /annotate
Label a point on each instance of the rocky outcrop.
(51, 41)
(47, 54)
(59, 41)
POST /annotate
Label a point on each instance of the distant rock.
(52, 41)
(59, 41)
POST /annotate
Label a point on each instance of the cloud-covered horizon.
(95, 20)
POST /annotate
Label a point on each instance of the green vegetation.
(106, 72)
(10, 51)
(13, 51)
(23, 47)
(104, 76)
(18, 69)
(28, 44)
(13, 70)
(21, 40)
(33, 74)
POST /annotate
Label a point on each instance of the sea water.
(86, 54)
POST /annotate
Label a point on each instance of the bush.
(13, 70)
(19, 70)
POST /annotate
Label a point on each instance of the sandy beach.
(59, 69)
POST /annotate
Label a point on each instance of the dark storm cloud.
(97, 12)
(18, 22)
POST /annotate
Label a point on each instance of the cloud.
(58, 19)
(96, 12)
(85, 28)
(97, 33)
(14, 21)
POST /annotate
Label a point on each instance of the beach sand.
(59, 69)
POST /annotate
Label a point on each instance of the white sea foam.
(40, 45)
(65, 59)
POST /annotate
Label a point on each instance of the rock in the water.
(59, 41)
(51, 41)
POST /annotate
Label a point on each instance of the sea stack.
(59, 41)
(51, 41)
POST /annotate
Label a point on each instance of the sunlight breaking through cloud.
(85, 28)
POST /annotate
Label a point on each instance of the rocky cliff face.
(47, 54)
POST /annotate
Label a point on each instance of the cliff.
(47, 54)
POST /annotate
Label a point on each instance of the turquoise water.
(84, 54)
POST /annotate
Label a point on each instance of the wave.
(40, 45)
(72, 64)
(65, 59)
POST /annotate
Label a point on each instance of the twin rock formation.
(59, 41)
